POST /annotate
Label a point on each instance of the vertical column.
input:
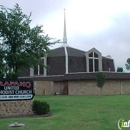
(87, 64)
(66, 60)
(45, 64)
(100, 62)
(93, 62)
(38, 69)
(31, 71)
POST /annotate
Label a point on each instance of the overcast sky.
(103, 24)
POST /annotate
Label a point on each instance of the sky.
(103, 24)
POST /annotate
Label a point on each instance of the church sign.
(16, 90)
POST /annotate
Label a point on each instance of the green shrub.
(40, 107)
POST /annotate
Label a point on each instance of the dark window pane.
(41, 67)
(91, 54)
(96, 65)
(36, 70)
(90, 65)
(108, 64)
(95, 55)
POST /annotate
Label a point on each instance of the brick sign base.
(16, 108)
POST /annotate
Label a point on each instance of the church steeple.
(64, 33)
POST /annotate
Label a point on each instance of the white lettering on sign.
(11, 87)
(11, 97)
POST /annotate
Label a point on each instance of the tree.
(119, 69)
(128, 64)
(20, 45)
(100, 78)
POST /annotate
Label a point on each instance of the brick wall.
(43, 87)
(16, 108)
(59, 87)
(125, 86)
(48, 87)
(88, 87)
(82, 87)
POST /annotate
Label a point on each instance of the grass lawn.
(77, 113)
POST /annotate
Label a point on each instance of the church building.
(71, 71)
(66, 59)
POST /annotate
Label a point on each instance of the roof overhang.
(80, 76)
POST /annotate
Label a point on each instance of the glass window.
(93, 62)
(35, 70)
(41, 67)
(96, 64)
(90, 65)
(95, 55)
(91, 54)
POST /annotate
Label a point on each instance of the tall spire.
(64, 34)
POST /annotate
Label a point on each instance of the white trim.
(45, 64)
(66, 60)
(38, 70)
(36, 76)
(108, 56)
(93, 62)
(31, 71)
(99, 59)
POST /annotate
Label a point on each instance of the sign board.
(16, 90)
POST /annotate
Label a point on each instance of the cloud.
(114, 40)
(104, 25)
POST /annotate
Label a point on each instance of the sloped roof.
(57, 52)
(103, 57)
(75, 52)
(71, 52)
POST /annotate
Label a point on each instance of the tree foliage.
(119, 69)
(20, 45)
(100, 78)
(128, 64)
